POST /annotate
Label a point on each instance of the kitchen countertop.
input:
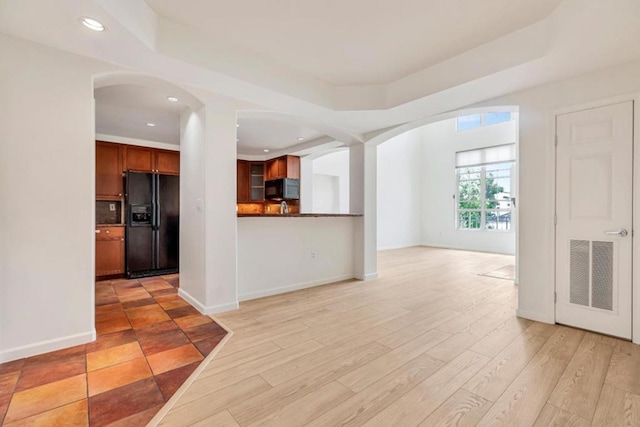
(109, 225)
(300, 215)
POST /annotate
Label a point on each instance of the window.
(496, 117)
(468, 122)
(483, 199)
(475, 121)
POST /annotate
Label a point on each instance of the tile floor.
(149, 341)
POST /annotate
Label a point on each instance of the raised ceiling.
(355, 42)
(313, 60)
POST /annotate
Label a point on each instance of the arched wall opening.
(196, 129)
(429, 195)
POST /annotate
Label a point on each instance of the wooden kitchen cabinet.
(139, 159)
(243, 181)
(256, 183)
(143, 159)
(167, 162)
(109, 251)
(108, 171)
(283, 167)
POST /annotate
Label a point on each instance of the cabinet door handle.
(107, 231)
(119, 194)
(97, 231)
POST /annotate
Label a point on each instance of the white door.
(594, 174)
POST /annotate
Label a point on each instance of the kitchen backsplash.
(104, 214)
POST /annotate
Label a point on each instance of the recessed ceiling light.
(172, 99)
(266, 151)
(92, 24)
(300, 138)
(151, 124)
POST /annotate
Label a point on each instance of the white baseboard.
(461, 248)
(289, 288)
(370, 276)
(46, 346)
(408, 245)
(207, 309)
(532, 315)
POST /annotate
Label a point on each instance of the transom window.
(475, 121)
(484, 189)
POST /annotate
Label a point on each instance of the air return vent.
(579, 281)
(591, 274)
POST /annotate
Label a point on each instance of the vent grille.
(591, 274)
(602, 275)
(579, 272)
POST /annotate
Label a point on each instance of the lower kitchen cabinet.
(109, 251)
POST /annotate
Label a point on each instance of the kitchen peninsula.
(280, 253)
(283, 253)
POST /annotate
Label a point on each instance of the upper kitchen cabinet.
(167, 162)
(143, 159)
(139, 159)
(283, 167)
(108, 171)
(243, 181)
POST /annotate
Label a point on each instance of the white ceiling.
(124, 110)
(355, 42)
(310, 60)
(255, 135)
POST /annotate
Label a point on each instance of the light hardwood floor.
(430, 343)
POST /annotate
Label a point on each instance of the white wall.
(334, 164)
(326, 193)
(47, 158)
(192, 220)
(275, 254)
(207, 208)
(400, 191)
(537, 118)
(440, 143)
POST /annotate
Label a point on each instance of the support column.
(208, 218)
(362, 199)
(306, 184)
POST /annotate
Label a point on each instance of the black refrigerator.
(153, 216)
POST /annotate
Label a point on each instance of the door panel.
(168, 221)
(594, 174)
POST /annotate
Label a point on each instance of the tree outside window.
(484, 197)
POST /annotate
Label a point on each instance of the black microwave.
(283, 188)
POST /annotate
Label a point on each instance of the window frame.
(483, 200)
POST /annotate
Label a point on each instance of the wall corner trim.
(207, 309)
(538, 317)
(47, 346)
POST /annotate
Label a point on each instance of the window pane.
(469, 191)
(498, 186)
(496, 117)
(468, 122)
(469, 220)
(498, 220)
